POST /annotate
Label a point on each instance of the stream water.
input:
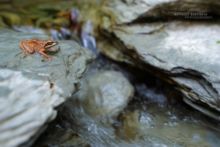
(155, 117)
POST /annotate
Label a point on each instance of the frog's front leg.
(41, 51)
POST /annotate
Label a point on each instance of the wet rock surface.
(32, 87)
(106, 94)
(185, 54)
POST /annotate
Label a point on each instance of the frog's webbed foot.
(18, 54)
(22, 54)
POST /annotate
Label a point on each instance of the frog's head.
(51, 45)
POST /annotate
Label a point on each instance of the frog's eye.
(51, 43)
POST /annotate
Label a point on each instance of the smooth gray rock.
(31, 89)
(185, 54)
(106, 94)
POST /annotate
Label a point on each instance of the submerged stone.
(106, 94)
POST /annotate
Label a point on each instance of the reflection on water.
(159, 122)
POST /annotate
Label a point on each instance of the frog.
(31, 46)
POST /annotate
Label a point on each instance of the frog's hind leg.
(25, 50)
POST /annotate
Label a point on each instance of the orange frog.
(40, 46)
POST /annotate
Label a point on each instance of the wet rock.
(107, 94)
(129, 11)
(179, 54)
(176, 52)
(31, 88)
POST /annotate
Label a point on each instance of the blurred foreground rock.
(31, 88)
(165, 40)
